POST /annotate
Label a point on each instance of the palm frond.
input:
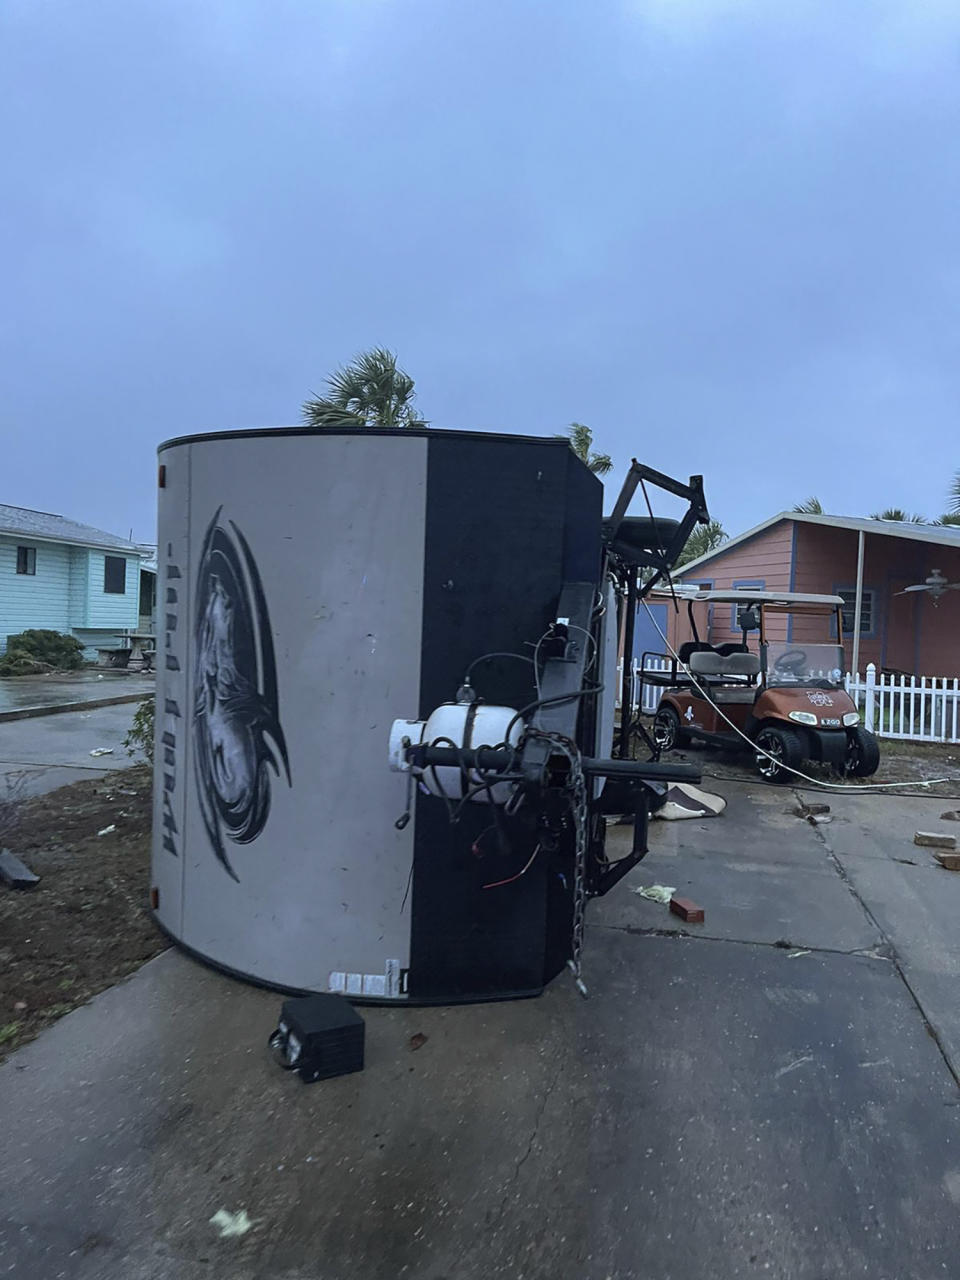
(898, 515)
(812, 507)
(955, 494)
(706, 537)
(581, 440)
(370, 391)
(327, 415)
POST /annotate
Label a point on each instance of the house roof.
(42, 526)
(939, 535)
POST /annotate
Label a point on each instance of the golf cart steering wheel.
(792, 662)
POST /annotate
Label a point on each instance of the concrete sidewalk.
(40, 754)
(721, 1106)
(23, 697)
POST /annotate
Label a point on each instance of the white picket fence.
(651, 693)
(915, 709)
(911, 708)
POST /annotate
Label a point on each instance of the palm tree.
(706, 537)
(955, 494)
(949, 518)
(897, 514)
(811, 507)
(368, 392)
(581, 442)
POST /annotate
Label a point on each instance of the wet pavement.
(24, 693)
(42, 753)
(772, 1093)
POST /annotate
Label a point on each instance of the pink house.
(916, 633)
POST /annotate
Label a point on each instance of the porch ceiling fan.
(936, 586)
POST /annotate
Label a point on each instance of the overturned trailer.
(386, 690)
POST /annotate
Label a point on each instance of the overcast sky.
(723, 233)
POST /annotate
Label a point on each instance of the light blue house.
(62, 576)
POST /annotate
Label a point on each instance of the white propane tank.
(460, 724)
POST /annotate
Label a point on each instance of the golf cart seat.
(690, 647)
(730, 677)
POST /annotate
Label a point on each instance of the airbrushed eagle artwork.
(237, 734)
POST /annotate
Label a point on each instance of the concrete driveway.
(722, 1105)
(25, 695)
(38, 755)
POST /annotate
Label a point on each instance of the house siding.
(938, 626)
(77, 594)
(112, 612)
(910, 633)
(33, 601)
(764, 559)
(66, 594)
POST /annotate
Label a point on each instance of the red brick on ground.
(687, 910)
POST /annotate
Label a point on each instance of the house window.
(114, 576)
(849, 599)
(27, 560)
(744, 584)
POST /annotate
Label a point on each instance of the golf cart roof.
(777, 599)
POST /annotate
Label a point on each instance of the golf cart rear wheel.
(667, 733)
(863, 754)
(780, 751)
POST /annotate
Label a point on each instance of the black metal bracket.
(621, 796)
(691, 492)
(696, 513)
(561, 681)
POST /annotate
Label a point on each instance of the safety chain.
(578, 789)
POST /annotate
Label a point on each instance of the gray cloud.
(723, 233)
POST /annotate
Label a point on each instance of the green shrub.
(35, 652)
(140, 737)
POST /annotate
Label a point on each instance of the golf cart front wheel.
(863, 754)
(779, 751)
(666, 729)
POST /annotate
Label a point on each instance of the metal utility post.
(626, 695)
(858, 607)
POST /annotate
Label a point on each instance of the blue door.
(646, 638)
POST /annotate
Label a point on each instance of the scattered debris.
(102, 751)
(231, 1224)
(949, 861)
(687, 910)
(951, 815)
(656, 893)
(685, 801)
(418, 1040)
(106, 830)
(87, 920)
(819, 819)
(795, 955)
(19, 1006)
(935, 840)
(804, 810)
(907, 862)
(15, 873)
(792, 1066)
